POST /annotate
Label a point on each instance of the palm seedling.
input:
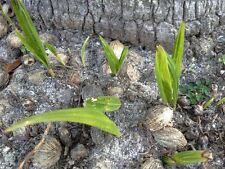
(29, 35)
(115, 62)
(168, 69)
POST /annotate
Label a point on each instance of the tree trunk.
(142, 22)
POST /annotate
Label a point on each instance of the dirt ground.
(137, 90)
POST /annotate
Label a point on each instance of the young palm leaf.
(92, 114)
(29, 36)
(115, 64)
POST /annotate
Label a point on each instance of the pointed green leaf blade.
(179, 49)
(29, 31)
(122, 58)
(174, 78)
(163, 76)
(83, 50)
(104, 103)
(110, 56)
(88, 116)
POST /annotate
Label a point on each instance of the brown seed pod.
(170, 137)
(152, 163)
(158, 117)
(48, 154)
(117, 47)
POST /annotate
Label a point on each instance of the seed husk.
(158, 117)
(170, 137)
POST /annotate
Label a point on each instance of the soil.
(137, 95)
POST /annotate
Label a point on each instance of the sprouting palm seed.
(91, 114)
(168, 69)
(187, 157)
(114, 62)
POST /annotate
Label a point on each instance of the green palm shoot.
(83, 50)
(168, 69)
(115, 63)
(187, 158)
(93, 114)
(29, 35)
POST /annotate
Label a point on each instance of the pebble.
(37, 77)
(28, 60)
(3, 26)
(8, 10)
(49, 38)
(132, 73)
(89, 91)
(28, 104)
(13, 41)
(115, 91)
(74, 79)
(65, 136)
(79, 152)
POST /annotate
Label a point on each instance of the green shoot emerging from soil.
(198, 91)
(168, 69)
(29, 36)
(83, 50)
(91, 114)
(187, 157)
(114, 62)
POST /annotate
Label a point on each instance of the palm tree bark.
(142, 22)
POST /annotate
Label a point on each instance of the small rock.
(198, 110)
(28, 104)
(184, 101)
(19, 132)
(152, 163)
(48, 153)
(132, 73)
(14, 41)
(170, 138)
(79, 152)
(57, 60)
(74, 79)
(115, 91)
(3, 26)
(99, 137)
(103, 164)
(89, 91)
(65, 136)
(37, 77)
(158, 117)
(49, 38)
(106, 69)
(8, 10)
(28, 60)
